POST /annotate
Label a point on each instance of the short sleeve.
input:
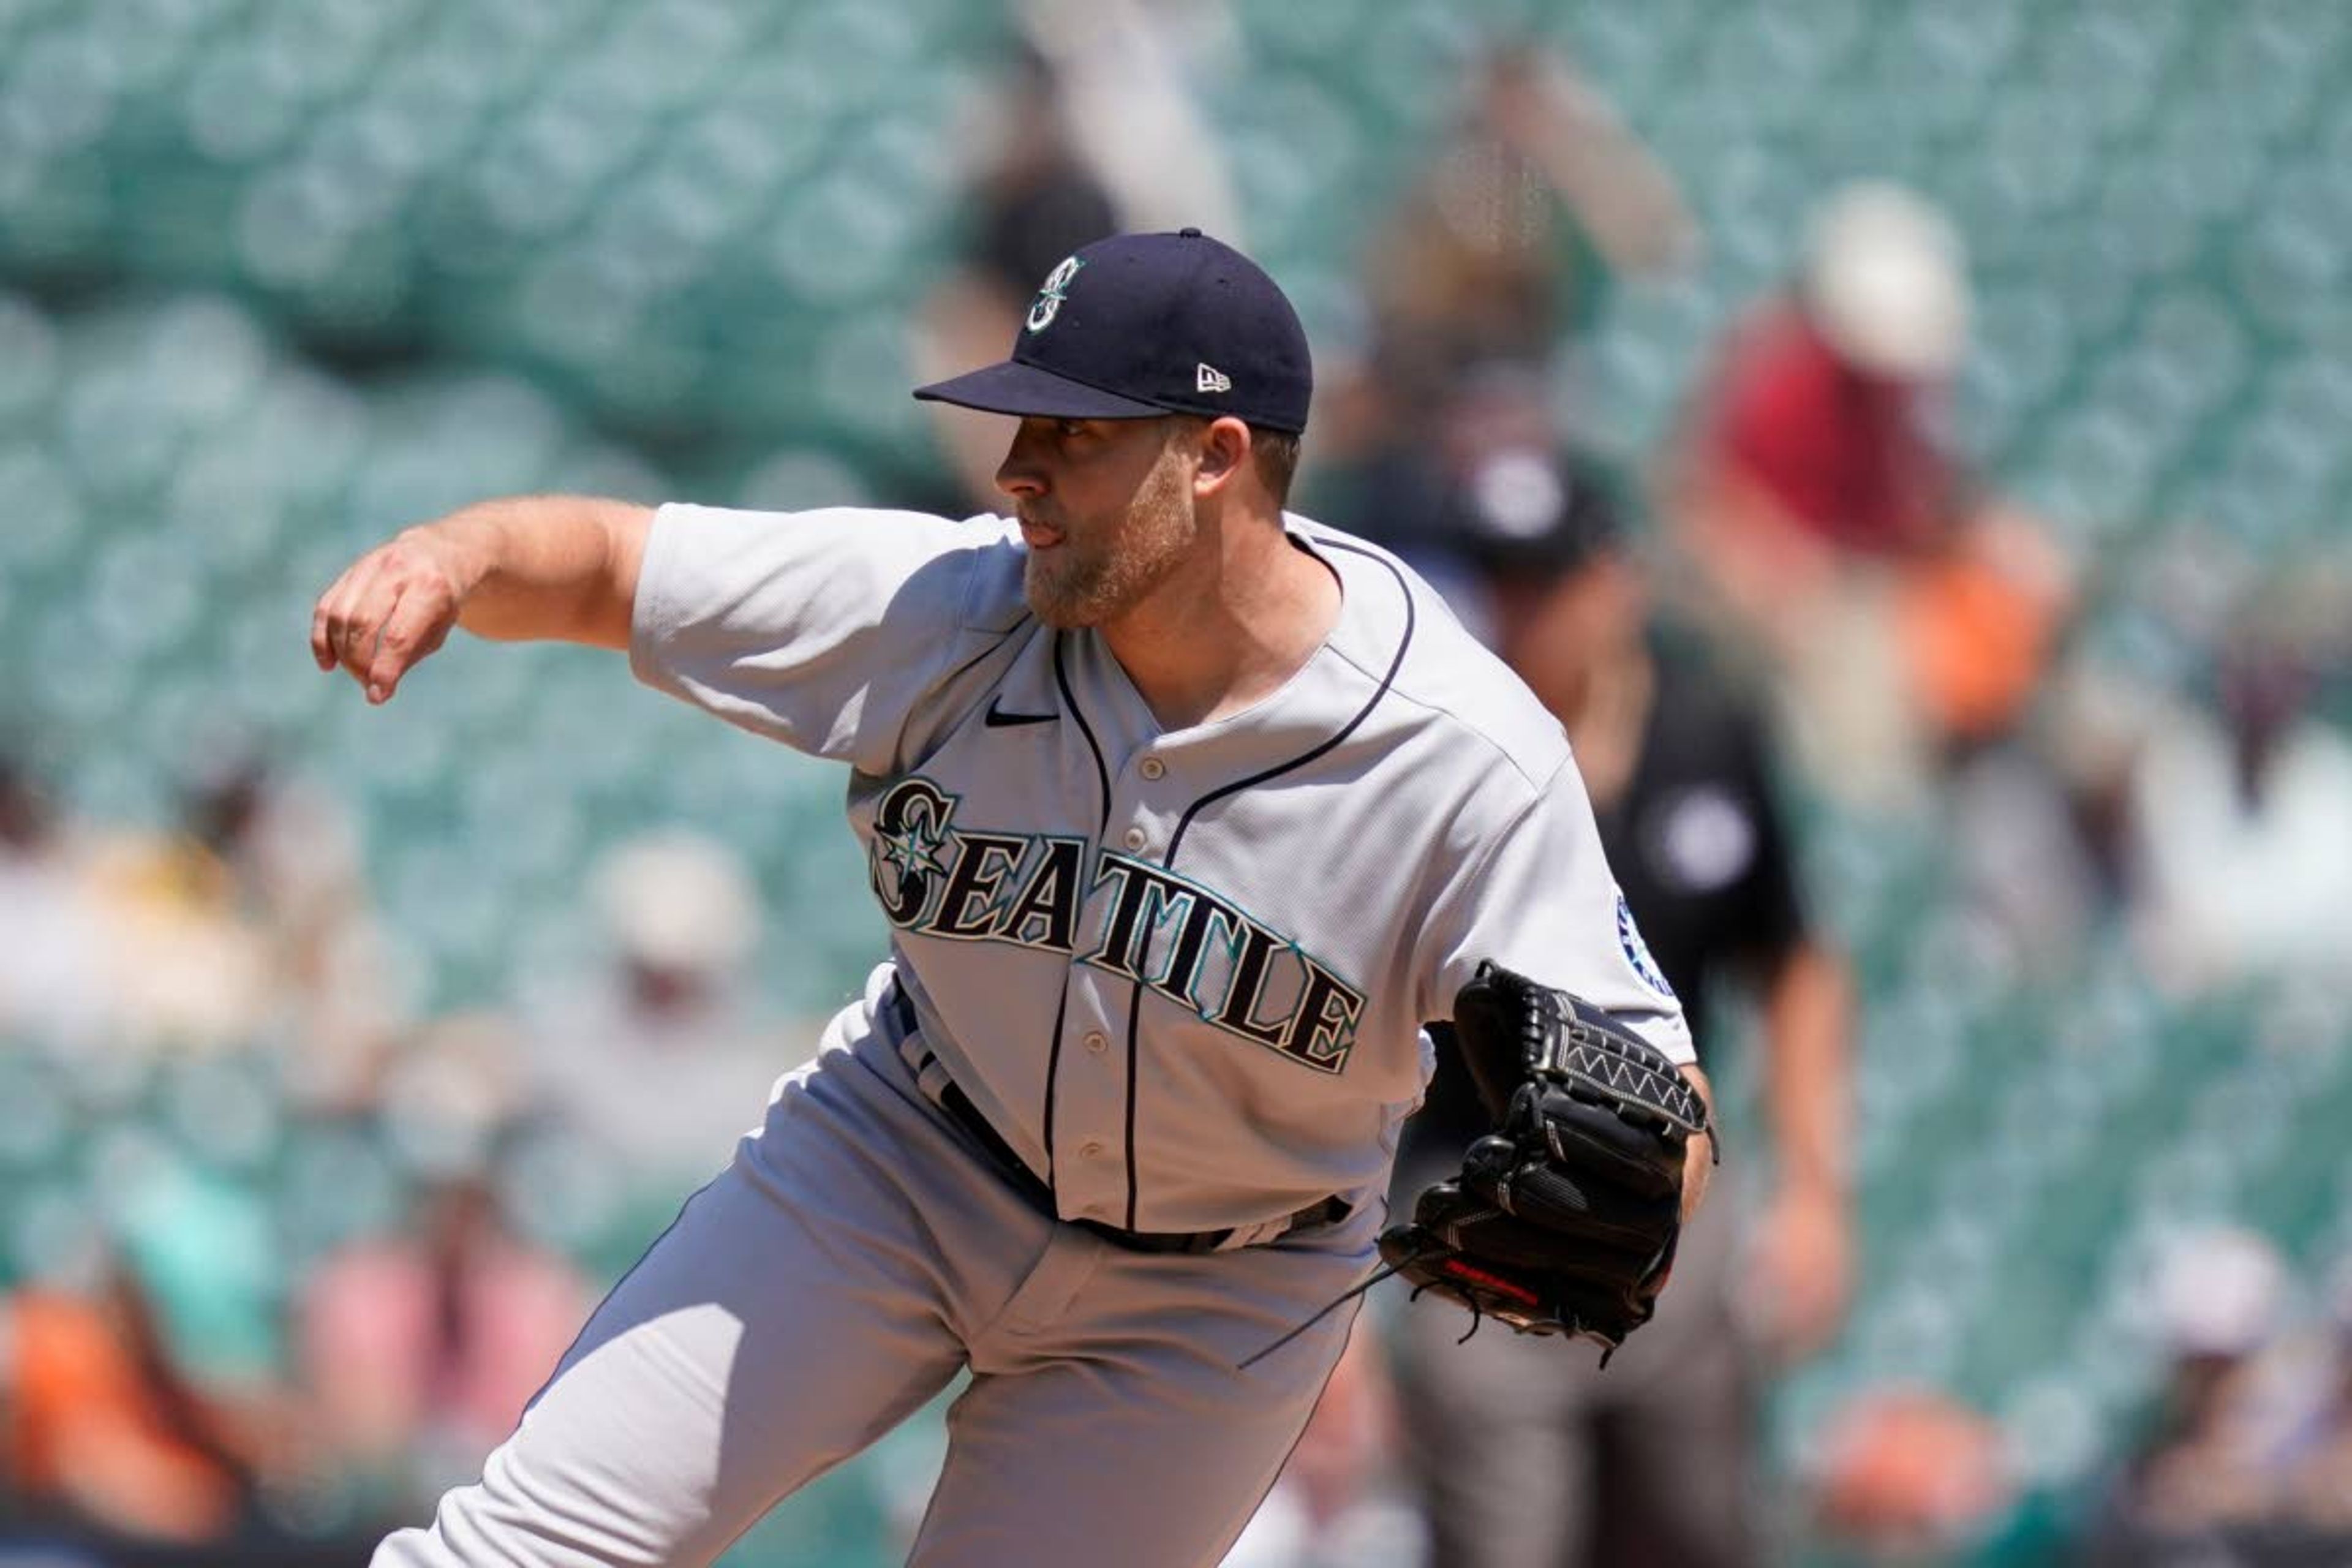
(819, 629)
(1542, 901)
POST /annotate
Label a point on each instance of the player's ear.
(1224, 454)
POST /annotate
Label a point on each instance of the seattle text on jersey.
(1151, 926)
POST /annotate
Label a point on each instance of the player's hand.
(391, 608)
(1802, 1255)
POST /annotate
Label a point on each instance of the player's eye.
(1065, 429)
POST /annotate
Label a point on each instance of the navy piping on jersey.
(1176, 839)
(1102, 825)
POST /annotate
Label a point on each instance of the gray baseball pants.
(859, 1253)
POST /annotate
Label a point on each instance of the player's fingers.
(330, 615)
(351, 612)
(323, 648)
(414, 625)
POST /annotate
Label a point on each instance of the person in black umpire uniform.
(1653, 1461)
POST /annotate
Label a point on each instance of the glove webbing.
(1389, 1270)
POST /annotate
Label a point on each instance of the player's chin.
(1053, 603)
(1060, 614)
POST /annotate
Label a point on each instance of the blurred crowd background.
(1906, 442)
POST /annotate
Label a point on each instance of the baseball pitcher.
(1187, 815)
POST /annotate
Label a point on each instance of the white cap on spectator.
(679, 899)
(2219, 1292)
(1886, 281)
(447, 1095)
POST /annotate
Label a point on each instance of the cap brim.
(1013, 387)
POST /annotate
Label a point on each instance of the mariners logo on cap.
(1049, 297)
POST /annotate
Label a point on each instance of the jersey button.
(1152, 768)
(1136, 838)
(1090, 1148)
(1097, 1042)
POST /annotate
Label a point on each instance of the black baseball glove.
(1563, 1220)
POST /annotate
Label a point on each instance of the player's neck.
(1229, 628)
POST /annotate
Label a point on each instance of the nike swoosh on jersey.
(997, 718)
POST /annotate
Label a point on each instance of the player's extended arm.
(560, 568)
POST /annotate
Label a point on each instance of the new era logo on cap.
(1142, 324)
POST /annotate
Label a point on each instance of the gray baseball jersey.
(1179, 978)
(1183, 974)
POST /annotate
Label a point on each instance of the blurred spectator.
(102, 1431)
(188, 969)
(1815, 491)
(150, 1407)
(1123, 71)
(53, 980)
(1506, 242)
(1501, 250)
(2206, 1464)
(2317, 1494)
(2241, 839)
(665, 1059)
(2038, 826)
(296, 872)
(450, 1092)
(421, 1349)
(1907, 1475)
(1529, 1454)
(1402, 492)
(254, 911)
(420, 1343)
(1831, 405)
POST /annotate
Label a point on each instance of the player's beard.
(1099, 573)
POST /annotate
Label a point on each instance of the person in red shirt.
(1818, 493)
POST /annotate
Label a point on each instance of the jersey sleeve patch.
(1637, 952)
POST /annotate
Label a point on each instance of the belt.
(1040, 1197)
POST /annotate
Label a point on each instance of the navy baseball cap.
(1144, 324)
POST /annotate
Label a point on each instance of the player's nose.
(1022, 473)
